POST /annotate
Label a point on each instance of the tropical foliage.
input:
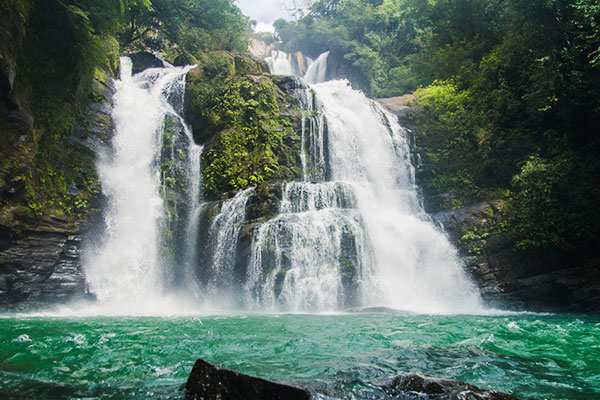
(50, 53)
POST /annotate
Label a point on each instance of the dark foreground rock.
(415, 386)
(208, 382)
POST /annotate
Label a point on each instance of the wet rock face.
(39, 268)
(415, 386)
(521, 280)
(40, 257)
(209, 382)
(144, 60)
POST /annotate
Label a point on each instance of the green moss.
(249, 141)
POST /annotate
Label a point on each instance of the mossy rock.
(264, 202)
(184, 59)
(235, 110)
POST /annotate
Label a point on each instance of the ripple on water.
(134, 358)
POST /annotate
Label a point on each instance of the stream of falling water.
(127, 271)
(353, 233)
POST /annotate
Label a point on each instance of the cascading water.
(362, 239)
(129, 267)
(282, 63)
(313, 146)
(317, 71)
(351, 234)
(314, 256)
(223, 239)
(416, 268)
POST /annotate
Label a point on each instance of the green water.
(539, 356)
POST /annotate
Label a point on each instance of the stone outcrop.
(210, 382)
(144, 60)
(416, 386)
(398, 105)
(260, 49)
(40, 255)
(521, 280)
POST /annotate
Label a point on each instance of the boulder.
(416, 386)
(208, 381)
(184, 59)
(144, 60)
(399, 105)
(536, 280)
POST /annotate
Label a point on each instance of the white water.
(398, 256)
(125, 270)
(366, 227)
(297, 256)
(352, 234)
(416, 267)
(312, 138)
(282, 63)
(317, 71)
(223, 239)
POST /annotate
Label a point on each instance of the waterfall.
(282, 63)
(416, 267)
(314, 255)
(223, 240)
(151, 156)
(354, 232)
(317, 72)
(362, 238)
(313, 135)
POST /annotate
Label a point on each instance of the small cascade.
(303, 197)
(282, 63)
(194, 202)
(317, 72)
(222, 242)
(313, 154)
(152, 156)
(314, 255)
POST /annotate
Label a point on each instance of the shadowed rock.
(144, 60)
(415, 386)
(209, 381)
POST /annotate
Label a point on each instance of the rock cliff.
(41, 243)
(535, 280)
(521, 280)
(55, 117)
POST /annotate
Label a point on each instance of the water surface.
(538, 356)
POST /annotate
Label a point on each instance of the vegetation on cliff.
(239, 112)
(508, 94)
(54, 60)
